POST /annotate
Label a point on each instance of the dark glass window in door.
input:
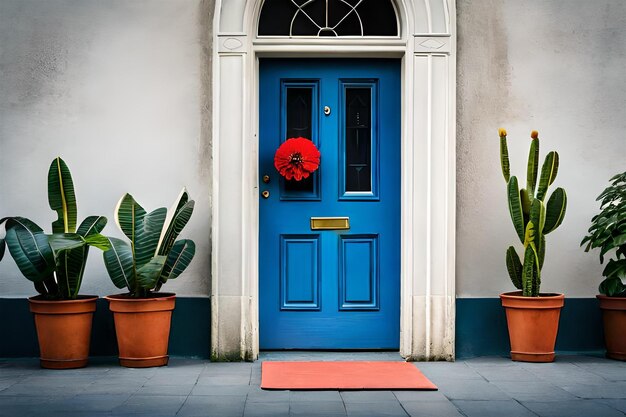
(358, 140)
(299, 120)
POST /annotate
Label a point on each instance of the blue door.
(329, 249)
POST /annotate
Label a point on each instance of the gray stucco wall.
(118, 89)
(557, 67)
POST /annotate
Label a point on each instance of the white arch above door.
(427, 48)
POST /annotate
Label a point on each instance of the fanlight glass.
(334, 18)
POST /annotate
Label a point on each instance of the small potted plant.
(55, 263)
(608, 233)
(532, 316)
(153, 256)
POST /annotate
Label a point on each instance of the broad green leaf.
(61, 197)
(172, 230)
(48, 287)
(98, 241)
(178, 259)
(514, 267)
(70, 270)
(615, 269)
(532, 168)
(65, 241)
(148, 274)
(166, 240)
(119, 264)
(612, 287)
(548, 174)
(29, 247)
(515, 208)
(504, 159)
(128, 215)
(92, 225)
(555, 210)
(147, 236)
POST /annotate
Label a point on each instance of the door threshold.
(329, 355)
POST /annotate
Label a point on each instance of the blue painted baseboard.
(481, 327)
(190, 334)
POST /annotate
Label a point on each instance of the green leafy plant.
(153, 254)
(531, 216)
(608, 232)
(55, 262)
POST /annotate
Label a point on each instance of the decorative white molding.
(232, 43)
(428, 170)
(430, 44)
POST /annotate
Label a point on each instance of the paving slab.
(534, 391)
(144, 404)
(279, 409)
(578, 408)
(165, 390)
(431, 409)
(616, 404)
(367, 397)
(476, 390)
(318, 407)
(315, 396)
(498, 408)
(377, 409)
(608, 390)
(213, 406)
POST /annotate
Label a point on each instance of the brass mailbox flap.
(330, 223)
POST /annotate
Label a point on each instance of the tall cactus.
(532, 217)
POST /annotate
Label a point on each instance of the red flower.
(297, 158)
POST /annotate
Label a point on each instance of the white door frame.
(427, 49)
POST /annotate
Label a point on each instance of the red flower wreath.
(297, 158)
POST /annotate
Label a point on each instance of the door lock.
(265, 194)
(326, 110)
(266, 179)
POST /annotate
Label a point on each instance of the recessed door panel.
(300, 272)
(329, 264)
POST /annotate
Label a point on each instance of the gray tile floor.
(583, 386)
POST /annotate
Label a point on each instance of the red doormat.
(343, 376)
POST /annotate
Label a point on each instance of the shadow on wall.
(190, 336)
(481, 327)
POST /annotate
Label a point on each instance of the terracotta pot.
(142, 326)
(63, 330)
(533, 324)
(614, 318)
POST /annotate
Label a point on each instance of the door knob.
(265, 194)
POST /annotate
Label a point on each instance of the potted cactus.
(532, 316)
(55, 263)
(153, 256)
(608, 233)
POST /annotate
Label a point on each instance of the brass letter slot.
(330, 223)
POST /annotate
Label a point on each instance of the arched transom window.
(335, 18)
